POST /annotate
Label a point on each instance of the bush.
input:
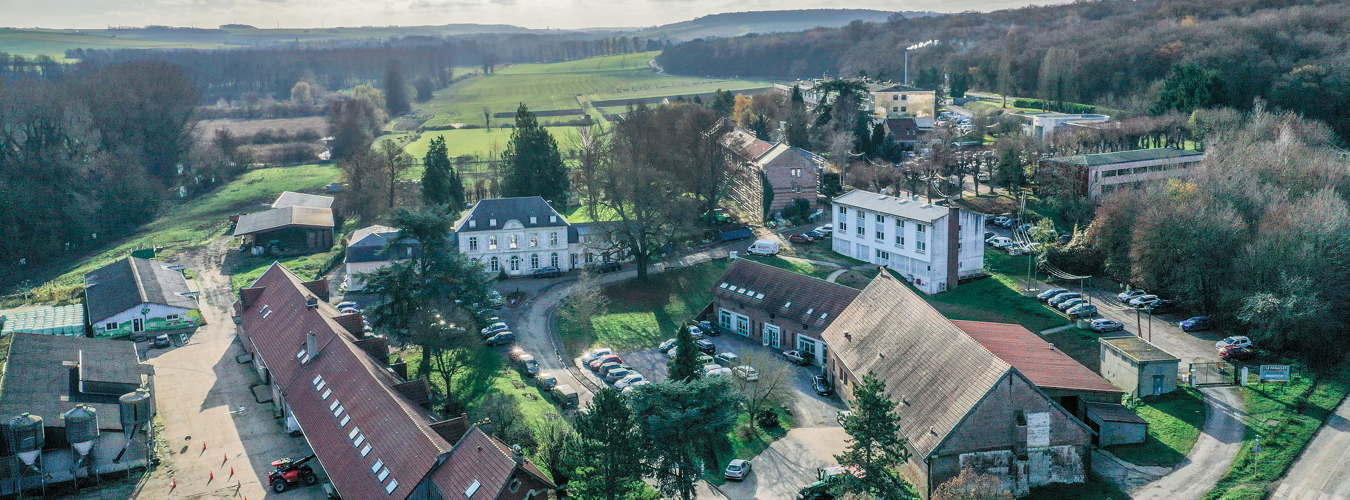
(767, 419)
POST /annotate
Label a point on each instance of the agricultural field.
(31, 43)
(206, 129)
(567, 85)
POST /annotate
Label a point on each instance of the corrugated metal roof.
(1093, 160)
(1044, 365)
(1138, 349)
(46, 320)
(933, 369)
(899, 206)
(283, 217)
(505, 209)
(130, 282)
(784, 293)
(293, 199)
(38, 381)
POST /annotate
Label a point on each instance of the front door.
(1158, 381)
(137, 325)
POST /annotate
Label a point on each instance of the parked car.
(1011, 223)
(763, 248)
(634, 385)
(1234, 341)
(999, 242)
(1126, 297)
(596, 354)
(162, 342)
(607, 267)
(1050, 294)
(667, 345)
(527, 364)
(501, 339)
(631, 379)
(998, 221)
(801, 238)
(1142, 299)
(705, 360)
(817, 235)
(348, 304)
(989, 234)
(696, 332)
(983, 176)
(727, 358)
(618, 374)
(1106, 325)
(1069, 304)
(1082, 311)
(671, 353)
(496, 300)
(706, 346)
(494, 328)
(1063, 297)
(608, 367)
(715, 370)
(747, 372)
(1235, 353)
(737, 470)
(827, 229)
(708, 328)
(546, 380)
(822, 385)
(348, 310)
(1162, 306)
(566, 396)
(796, 357)
(548, 272)
(596, 363)
(1196, 324)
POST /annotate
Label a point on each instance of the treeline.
(85, 157)
(1111, 52)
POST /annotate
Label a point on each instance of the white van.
(763, 247)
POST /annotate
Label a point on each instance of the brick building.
(779, 308)
(960, 405)
(790, 172)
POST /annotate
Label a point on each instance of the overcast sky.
(91, 14)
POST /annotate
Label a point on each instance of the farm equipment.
(827, 477)
(288, 472)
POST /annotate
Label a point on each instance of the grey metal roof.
(900, 206)
(1093, 160)
(506, 209)
(1114, 412)
(931, 367)
(382, 235)
(130, 282)
(293, 199)
(37, 379)
(282, 217)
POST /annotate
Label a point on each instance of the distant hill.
(734, 24)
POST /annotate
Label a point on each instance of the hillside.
(772, 21)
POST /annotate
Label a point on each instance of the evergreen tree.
(440, 182)
(395, 89)
(724, 102)
(609, 453)
(879, 141)
(533, 166)
(1187, 88)
(681, 426)
(685, 366)
(875, 446)
(797, 133)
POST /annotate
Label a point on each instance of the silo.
(26, 436)
(136, 408)
(81, 428)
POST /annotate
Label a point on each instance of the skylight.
(473, 488)
(334, 405)
(317, 379)
(724, 284)
(810, 310)
(322, 384)
(787, 304)
(365, 451)
(359, 439)
(378, 465)
(383, 474)
(353, 433)
(345, 419)
(389, 490)
(326, 394)
(759, 295)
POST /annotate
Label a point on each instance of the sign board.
(1274, 373)
(1038, 430)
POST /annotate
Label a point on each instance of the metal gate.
(1210, 374)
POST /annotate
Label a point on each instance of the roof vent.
(1052, 346)
(848, 335)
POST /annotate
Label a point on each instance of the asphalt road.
(1212, 455)
(1322, 472)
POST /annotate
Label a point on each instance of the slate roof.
(899, 206)
(284, 217)
(505, 209)
(1093, 160)
(932, 368)
(130, 282)
(791, 296)
(38, 381)
(375, 235)
(373, 244)
(1138, 349)
(293, 199)
(383, 427)
(1044, 365)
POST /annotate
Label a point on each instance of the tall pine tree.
(395, 89)
(533, 165)
(797, 133)
(876, 446)
(440, 182)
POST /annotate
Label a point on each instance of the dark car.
(817, 234)
(822, 385)
(667, 345)
(501, 339)
(162, 341)
(706, 346)
(800, 238)
(1237, 353)
(1197, 323)
(548, 272)
(607, 267)
(796, 357)
(708, 328)
(1162, 306)
(1050, 294)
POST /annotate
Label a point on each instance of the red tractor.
(288, 472)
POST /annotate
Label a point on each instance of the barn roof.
(133, 281)
(1039, 360)
(297, 216)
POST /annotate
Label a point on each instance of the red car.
(597, 363)
(1235, 353)
(800, 238)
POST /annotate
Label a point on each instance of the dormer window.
(473, 223)
(552, 219)
(492, 222)
(534, 220)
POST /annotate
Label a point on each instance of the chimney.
(311, 347)
(352, 323)
(312, 303)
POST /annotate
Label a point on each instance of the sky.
(567, 14)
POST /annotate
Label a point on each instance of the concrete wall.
(1137, 378)
(1112, 433)
(355, 283)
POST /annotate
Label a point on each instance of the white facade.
(919, 241)
(143, 318)
(1042, 125)
(354, 269)
(517, 249)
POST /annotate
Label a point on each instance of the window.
(589, 257)
(881, 219)
(171, 317)
(895, 108)
(899, 239)
(902, 109)
(843, 226)
(724, 319)
(534, 240)
(473, 243)
(919, 228)
(553, 259)
(860, 230)
(895, 97)
(921, 246)
(881, 234)
(473, 223)
(534, 220)
(796, 172)
(492, 242)
(843, 210)
(883, 255)
(515, 263)
(553, 239)
(515, 241)
(495, 265)
(904, 97)
(743, 325)
(111, 326)
(1140, 170)
(534, 261)
(492, 222)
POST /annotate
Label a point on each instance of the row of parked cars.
(1072, 303)
(497, 332)
(611, 368)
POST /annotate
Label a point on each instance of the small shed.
(1115, 424)
(45, 320)
(1138, 367)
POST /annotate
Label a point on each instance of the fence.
(1211, 374)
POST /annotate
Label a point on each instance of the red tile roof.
(385, 431)
(478, 457)
(1043, 364)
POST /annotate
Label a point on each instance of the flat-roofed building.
(1138, 367)
(1094, 175)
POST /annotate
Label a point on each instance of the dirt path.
(1212, 455)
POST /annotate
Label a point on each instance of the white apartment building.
(931, 246)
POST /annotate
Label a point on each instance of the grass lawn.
(806, 268)
(1284, 417)
(198, 221)
(30, 43)
(480, 142)
(644, 313)
(1174, 423)
(1095, 489)
(998, 297)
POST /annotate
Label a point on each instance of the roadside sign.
(1274, 373)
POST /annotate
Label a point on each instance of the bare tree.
(771, 388)
(393, 163)
(586, 302)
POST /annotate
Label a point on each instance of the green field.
(478, 142)
(30, 43)
(564, 85)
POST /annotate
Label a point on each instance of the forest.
(1112, 53)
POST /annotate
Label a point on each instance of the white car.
(827, 229)
(747, 372)
(1236, 341)
(715, 370)
(999, 242)
(631, 379)
(1142, 299)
